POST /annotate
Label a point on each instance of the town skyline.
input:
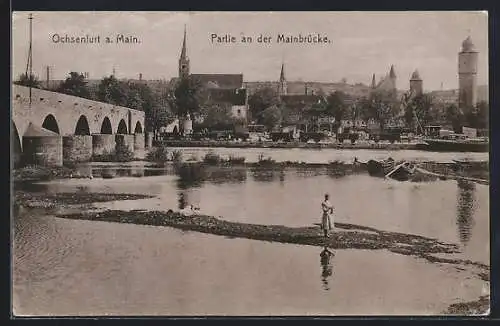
(357, 54)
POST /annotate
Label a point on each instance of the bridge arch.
(138, 128)
(106, 126)
(16, 144)
(50, 123)
(82, 126)
(122, 127)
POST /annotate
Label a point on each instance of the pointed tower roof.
(392, 74)
(415, 75)
(374, 83)
(184, 50)
(282, 74)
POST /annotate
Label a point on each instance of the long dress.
(326, 222)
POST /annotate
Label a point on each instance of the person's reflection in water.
(465, 210)
(183, 200)
(326, 267)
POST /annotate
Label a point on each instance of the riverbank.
(346, 236)
(233, 144)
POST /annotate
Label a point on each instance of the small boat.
(380, 168)
(389, 169)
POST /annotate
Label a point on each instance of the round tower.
(416, 84)
(467, 75)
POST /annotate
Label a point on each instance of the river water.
(70, 267)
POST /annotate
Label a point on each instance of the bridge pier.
(125, 140)
(103, 144)
(77, 148)
(149, 139)
(139, 146)
(42, 150)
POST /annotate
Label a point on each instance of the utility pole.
(29, 64)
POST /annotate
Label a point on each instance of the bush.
(106, 156)
(265, 160)
(123, 154)
(177, 156)
(158, 154)
(120, 154)
(212, 159)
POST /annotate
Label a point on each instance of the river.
(71, 267)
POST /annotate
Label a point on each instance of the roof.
(223, 95)
(35, 131)
(415, 75)
(467, 45)
(221, 80)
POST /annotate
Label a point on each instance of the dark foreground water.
(73, 267)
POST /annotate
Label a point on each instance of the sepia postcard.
(250, 164)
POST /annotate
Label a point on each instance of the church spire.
(184, 60)
(184, 51)
(392, 74)
(282, 87)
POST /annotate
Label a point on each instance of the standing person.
(327, 208)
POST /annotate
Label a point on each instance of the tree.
(28, 81)
(336, 106)
(217, 117)
(261, 100)
(421, 108)
(455, 117)
(111, 90)
(75, 85)
(382, 107)
(272, 117)
(478, 116)
(188, 96)
(483, 114)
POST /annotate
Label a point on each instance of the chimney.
(305, 88)
(140, 76)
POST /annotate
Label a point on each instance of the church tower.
(183, 59)
(416, 84)
(467, 75)
(392, 77)
(282, 87)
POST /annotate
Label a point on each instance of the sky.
(362, 44)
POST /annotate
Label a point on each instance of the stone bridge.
(58, 127)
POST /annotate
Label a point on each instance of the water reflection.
(267, 174)
(138, 172)
(465, 209)
(326, 267)
(221, 175)
(183, 200)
